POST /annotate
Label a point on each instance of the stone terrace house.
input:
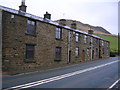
(30, 42)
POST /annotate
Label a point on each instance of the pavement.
(95, 74)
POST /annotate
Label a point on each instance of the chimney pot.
(74, 25)
(90, 31)
(23, 7)
(62, 22)
(47, 15)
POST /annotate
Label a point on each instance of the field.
(113, 41)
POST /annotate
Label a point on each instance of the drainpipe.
(91, 48)
(69, 46)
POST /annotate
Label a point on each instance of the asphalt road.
(95, 74)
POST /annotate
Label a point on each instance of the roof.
(44, 20)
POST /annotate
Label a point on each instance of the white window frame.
(77, 51)
(76, 37)
(85, 38)
(58, 33)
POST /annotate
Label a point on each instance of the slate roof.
(43, 20)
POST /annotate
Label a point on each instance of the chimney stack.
(74, 25)
(90, 31)
(47, 15)
(62, 22)
(23, 6)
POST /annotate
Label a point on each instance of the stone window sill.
(59, 39)
(34, 35)
(30, 61)
(57, 60)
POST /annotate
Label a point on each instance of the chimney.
(23, 6)
(47, 15)
(74, 25)
(90, 31)
(62, 22)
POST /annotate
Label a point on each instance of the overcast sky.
(94, 12)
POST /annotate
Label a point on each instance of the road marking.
(114, 84)
(36, 83)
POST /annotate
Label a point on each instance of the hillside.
(113, 41)
(99, 31)
(86, 27)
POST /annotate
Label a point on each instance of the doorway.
(83, 55)
(69, 57)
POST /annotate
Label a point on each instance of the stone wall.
(0, 49)
(15, 39)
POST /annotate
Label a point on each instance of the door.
(69, 56)
(83, 55)
(92, 54)
(99, 53)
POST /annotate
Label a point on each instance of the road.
(95, 74)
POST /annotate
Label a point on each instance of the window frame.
(77, 51)
(102, 43)
(58, 33)
(31, 23)
(107, 44)
(91, 39)
(58, 54)
(28, 51)
(85, 38)
(77, 37)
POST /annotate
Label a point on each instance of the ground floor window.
(96, 52)
(30, 49)
(103, 50)
(58, 53)
(88, 51)
(107, 50)
(77, 51)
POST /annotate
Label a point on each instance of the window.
(87, 51)
(102, 43)
(96, 52)
(31, 27)
(107, 50)
(30, 51)
(77, 51)
(76, 37)
(58, 33)
(96, 41)
(103, 50)
(12, 16)
(58, 53)
(91, 39)
(85, 39)
(107, 44)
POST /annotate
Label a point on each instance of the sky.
(102, 13)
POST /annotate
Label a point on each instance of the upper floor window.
(91, 39)
(107, 44)
(31, 27)
(102, 43)
(96, 41)
(76, 37)
(77, 51)
(85, 39)
(58, 33)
